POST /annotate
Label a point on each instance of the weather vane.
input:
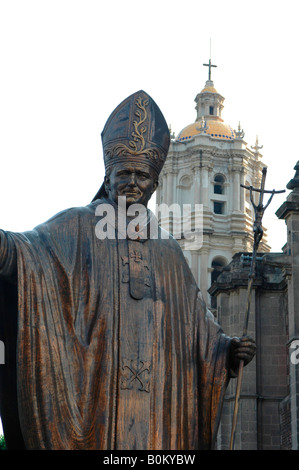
(258, 234)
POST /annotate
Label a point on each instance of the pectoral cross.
(138, 274)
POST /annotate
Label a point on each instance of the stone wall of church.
(264, 411)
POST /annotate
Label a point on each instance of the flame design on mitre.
(136, 131)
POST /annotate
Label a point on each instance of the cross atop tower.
(210, 65)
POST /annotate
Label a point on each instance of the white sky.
(65, 65)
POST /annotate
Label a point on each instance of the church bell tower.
(206, 164)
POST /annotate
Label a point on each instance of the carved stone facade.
(206, 164)
(268, 414)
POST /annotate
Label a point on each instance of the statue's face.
(135, 181)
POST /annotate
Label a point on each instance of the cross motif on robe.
(136, 256)
(133, 370)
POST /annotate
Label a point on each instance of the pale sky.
(66, 64)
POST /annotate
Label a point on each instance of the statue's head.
(135, 142)
(135, 181)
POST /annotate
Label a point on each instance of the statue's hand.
(242, 349)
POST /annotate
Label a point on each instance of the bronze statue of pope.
(108, 342)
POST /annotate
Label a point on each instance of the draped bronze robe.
(115, 347)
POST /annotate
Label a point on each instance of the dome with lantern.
(209, 105)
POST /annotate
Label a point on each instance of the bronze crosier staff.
(258, 234)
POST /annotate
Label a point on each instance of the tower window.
(219, 184)
(217, 265)
(211, 110)
(218, 207)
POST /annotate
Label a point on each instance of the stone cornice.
(271, 275)
(286, 208)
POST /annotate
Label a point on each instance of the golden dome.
(209, 89)
(215, 128)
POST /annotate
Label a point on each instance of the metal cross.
(258, 234)
(260, 209)
(210, 65)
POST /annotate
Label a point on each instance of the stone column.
(293, 301)
(242, 191)
(196, 172)
(194, 265)
(162, 199)
(204, 281)
(158, 194)
(169, 188)
(236, 190)
(164, 187)
(205, 186)
(289, 211)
